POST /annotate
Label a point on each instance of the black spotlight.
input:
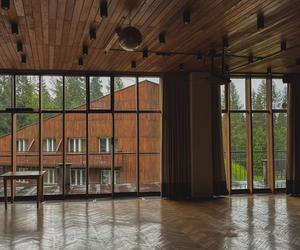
(186, 16)
(19, 47)
(199, 57)
(23, 59)
(103, 8)
(133, 64)
(85, 50)
(181, 67)
(226, 68)
(250, 59)
(92, 33)
(225, 42)
(260, 21)
(145, 53)
(212, 52)
(162, 37)
(80, 61)
(5, 4)
(14, 28)
(269, 70)
(286, 78)
(283, 45)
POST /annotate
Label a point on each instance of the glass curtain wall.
(91, 134)
(255, 131)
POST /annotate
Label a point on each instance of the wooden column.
(249, 136)
(270, 135)
(227, 139)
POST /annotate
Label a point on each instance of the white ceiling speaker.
(130, 38)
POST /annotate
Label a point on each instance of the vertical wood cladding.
(100, 126)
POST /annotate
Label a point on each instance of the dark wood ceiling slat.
(53, 32)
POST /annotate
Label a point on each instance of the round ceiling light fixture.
(130, 38)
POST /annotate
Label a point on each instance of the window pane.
(150, 133)
(125, 159)
(223, 97)
(100, 93)
(238, 151)
(150, 147)
(75, 132)
(224, 133)
(125, 93)
(100, 163)
(52, 161)
(237, 94)
(52, 92)
(5, 91)
(279, 94)
(28, 157)
(27, 91)
(149, 93)
(280, 148)
(259, 93)
(260, 154)
(5, 147)
(75, 92)
(150, 172)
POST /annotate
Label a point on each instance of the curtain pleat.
(176, 173)
(293, 164)
(219, 177)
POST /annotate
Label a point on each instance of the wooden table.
(37, 175)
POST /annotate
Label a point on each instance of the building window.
(50, 176)
(105, 177)
(78, 177)
(105, 145)
(49, 145)
(76, 145)
(22, 145)
(22, 169)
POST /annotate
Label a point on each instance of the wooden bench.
(37, 175)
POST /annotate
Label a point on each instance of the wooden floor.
(237, 222)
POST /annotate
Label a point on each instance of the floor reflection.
(236, 222)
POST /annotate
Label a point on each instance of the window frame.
(50, 144)
(41, 111)
(249, 111)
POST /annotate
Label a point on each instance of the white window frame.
(77, 145)
(117, 174)
(22, 145)
(108, 144)
(50, 176)
(79, 177)
(49, 145)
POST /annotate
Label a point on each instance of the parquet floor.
(237, 222)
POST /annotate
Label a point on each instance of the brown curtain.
(219, 177)
(176, 173)
(293, 167)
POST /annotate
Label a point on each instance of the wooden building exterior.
(92, 148)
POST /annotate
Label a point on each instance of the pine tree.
(47, 100)
(27, 96)
(235, 102)
(75, 92)
(57, 92)
(96, 87)
(118, 83)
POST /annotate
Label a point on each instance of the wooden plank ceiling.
(54, 31)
